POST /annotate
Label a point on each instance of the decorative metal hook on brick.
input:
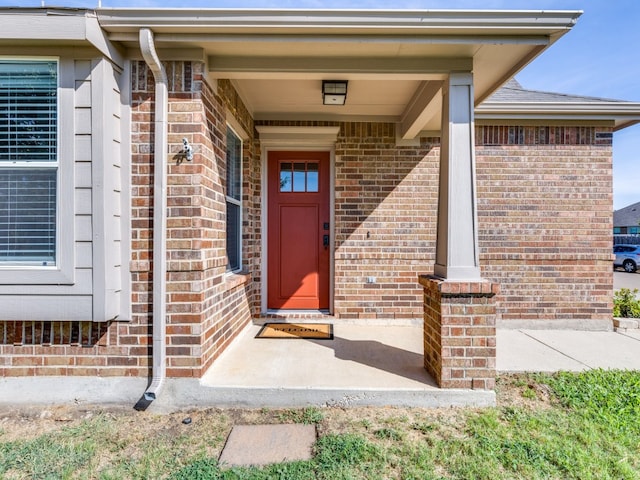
(187, 150)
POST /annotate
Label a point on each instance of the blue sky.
(600, 57)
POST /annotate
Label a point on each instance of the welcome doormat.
(316, 331)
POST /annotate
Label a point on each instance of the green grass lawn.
(581, 426)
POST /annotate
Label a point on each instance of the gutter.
(159, 365)
(287, 21)
(621, 114)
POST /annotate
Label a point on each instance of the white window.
(28, 162)
(234, 200)
(36, 227)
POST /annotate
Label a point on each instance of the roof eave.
(623, 114)
(438, 22)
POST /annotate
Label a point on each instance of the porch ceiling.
(395, 61)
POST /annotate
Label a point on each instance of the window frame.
(238, 203)
(62, 273)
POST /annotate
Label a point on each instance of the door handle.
(325, 240)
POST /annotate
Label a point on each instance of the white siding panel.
(83, 148)
(106, 191)
(115, 211)
(83, 94)
(117, 252)
(83, 175)
(83, 228)
(84, 255)
(117, 183)
(82, 286)
(83, 201)
(124, 87)
(46, 307)
(83, 121)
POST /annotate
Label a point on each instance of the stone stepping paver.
(259, 445)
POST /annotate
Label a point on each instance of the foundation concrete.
(71, 390)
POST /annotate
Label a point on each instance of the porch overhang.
(395, 61)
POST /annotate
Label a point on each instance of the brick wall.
(544, 208)
(385, 221)
(206, 307)
(460, 333)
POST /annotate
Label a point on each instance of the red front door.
(298, 230)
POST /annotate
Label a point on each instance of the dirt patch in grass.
(26, 422)
(524, 390)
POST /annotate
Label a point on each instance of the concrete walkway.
(554, 350)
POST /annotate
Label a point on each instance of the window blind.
(28, 161)
(28, 111)
(28, 215)
(234, 162)
(234, 200)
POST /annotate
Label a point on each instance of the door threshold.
(309, 316)
(297, 312)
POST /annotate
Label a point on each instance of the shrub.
(626, 303)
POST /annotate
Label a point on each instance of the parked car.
(627, 257)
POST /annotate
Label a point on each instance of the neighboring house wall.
(626, 221)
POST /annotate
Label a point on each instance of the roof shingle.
(512, 92)
(628, 216)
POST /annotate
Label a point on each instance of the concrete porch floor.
(362, 365)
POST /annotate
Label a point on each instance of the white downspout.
(159, 366)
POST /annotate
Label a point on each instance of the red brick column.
(460, 332)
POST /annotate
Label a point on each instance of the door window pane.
(299, 181)
(286, 177)
(299, 177)
(312, 177)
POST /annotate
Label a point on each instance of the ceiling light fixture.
(334, 92)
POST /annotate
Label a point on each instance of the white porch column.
(457, 243)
